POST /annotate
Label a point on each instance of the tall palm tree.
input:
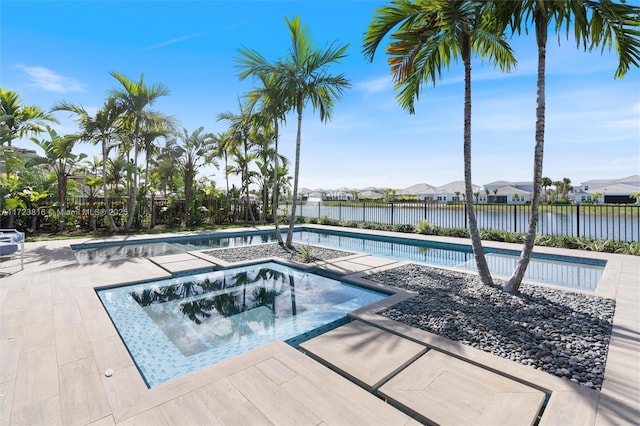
(58, 156)
(272, 109)
(104, 128)
(195, 150)
(303, 78)
(136, 98)
(270, 160)
(595, 24)
(241, 128)
(429, 35)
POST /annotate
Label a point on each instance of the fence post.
(425, 208)
(577, 220)
(340, 210)
(319, 204)
(392, 214)
(363, 212)
(515, 218)
(466, 225)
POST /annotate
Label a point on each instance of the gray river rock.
(559, 332)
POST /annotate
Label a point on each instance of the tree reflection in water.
(230, 295)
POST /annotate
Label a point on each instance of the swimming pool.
(571, 272)
(176, 326)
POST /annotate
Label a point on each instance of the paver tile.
(445, 390)
(82, 396)
(365, 353)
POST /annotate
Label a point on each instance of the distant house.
(453, 192)
(341, 194)
(508, 192)
(422, 191)
(314, 195)
(609, 191)
(510, 195)
(370, 193)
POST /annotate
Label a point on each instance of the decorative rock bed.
(556, 331)
(560, 332)
(297, 253)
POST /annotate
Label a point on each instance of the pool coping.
(55, 293)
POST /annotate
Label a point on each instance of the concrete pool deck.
(57, 341)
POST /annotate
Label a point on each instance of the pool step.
(183, 264)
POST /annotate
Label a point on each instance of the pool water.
(101, 252)
(571, 272)
(177, 326)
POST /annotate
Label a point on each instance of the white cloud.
(175, 40)
(381, 84)
(47, 80)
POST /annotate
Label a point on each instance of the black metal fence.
(609, 222)
(84, 215)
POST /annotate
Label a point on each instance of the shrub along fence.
(80, 214)
(608, 222)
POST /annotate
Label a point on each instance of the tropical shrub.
(326, 220)
(634, 248)
(348, 223)
(453, 232)
(404, 228)
(503, 236)
(425, 227)
(306, 253)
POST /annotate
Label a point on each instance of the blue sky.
(63, 50)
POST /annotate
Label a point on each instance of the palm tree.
(272, 109)
(595, 24)
(195, 150)
(136, 98)
(546, 183)
(429, 35)
(18, 120)
(223, 143)
(62, 161)
(104, 128)
(566, 187)
(303, 78)
(92, 181)
(241, 145)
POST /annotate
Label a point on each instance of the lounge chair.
(11, 245)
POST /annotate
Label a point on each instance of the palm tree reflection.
(228, 296)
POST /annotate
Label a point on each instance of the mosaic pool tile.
(188, 323)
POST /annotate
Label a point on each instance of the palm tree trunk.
(152, 223)
(476, 242)
(187, 199)
(105, 191)
(62, 192)
(296, 174)
(275, 188)
(226, 170)
(134, 189)
(513, 284)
